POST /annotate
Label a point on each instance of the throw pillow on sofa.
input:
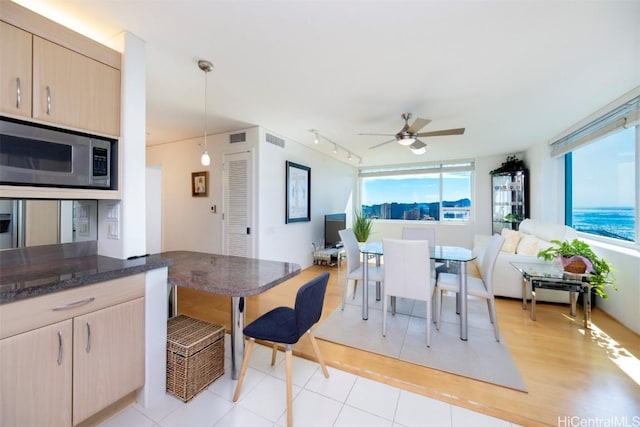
(511, 239)
(528, 246)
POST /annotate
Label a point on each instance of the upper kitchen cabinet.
(74, 90)
(15, 70)
(65, 79)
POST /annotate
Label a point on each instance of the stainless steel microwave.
(38, 155)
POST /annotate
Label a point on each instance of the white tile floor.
(341, 400)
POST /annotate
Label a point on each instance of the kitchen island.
(233, 276)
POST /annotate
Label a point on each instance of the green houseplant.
(577, 250)
(361, 226)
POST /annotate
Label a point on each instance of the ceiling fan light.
(418, 148)
(406, 140)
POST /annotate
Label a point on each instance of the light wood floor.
(569, 371)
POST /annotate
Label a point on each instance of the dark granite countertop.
(227, 275)
(220, 274)
(35, 279)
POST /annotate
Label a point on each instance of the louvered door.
(238, 218)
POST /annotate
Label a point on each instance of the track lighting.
(336, 147)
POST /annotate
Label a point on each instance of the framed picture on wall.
(200, 184)
(298, 196)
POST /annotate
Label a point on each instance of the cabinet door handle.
(48, 100)
(18, 93)
(74, 304)
(59, 347)
(88, 348)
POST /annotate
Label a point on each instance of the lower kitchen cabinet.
(108, 357)
(36, 372)
(89, 355)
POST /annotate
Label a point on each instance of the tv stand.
(328, 256)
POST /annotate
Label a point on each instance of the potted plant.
(361, 226)
(575, 253)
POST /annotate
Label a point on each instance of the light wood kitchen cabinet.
(36, 372)
(15, 70)
(97, 333)
(69, 79)
(108, 357)
(74, 90)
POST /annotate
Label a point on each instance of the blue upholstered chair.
(286, 325)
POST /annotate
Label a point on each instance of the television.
(332, 224)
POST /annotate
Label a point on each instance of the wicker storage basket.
(195, 355)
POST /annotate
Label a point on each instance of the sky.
(419, 190)
(604, 172)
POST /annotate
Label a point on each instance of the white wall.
(622, 304)
(332, 185)
(153, 202)
(187, 221)
(131, 156)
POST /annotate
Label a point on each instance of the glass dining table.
(438, 253)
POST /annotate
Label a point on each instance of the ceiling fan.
(408, 135)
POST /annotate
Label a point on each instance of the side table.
(329, 256)
(551, 276)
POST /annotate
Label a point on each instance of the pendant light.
(205, 66)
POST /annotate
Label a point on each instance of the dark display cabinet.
(510, 195)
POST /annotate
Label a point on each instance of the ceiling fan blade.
(381, 144)
(377, 134)
(458, 131)
(418, 124)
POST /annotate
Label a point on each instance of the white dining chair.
(354, 265)
(478, 287)
(425, 233)
(407, 274)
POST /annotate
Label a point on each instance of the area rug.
(481, 357)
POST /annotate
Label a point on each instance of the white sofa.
(523, 245)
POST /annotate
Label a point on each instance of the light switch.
(113, 221)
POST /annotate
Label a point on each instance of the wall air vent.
(237, 137)
(275, 140)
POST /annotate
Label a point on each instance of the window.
(601, 178)
(602, 173)
(435, 192)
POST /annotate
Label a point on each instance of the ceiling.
(513, 73)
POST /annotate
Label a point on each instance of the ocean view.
(610, 222)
